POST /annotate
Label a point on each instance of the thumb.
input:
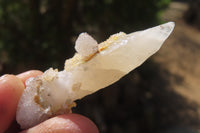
(69, 123)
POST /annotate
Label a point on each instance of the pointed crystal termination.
(121, 54)
(93, 67)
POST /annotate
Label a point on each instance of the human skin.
(11, 89)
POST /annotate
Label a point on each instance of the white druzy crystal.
(86, 45)
(93, 67)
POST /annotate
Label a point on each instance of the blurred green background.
(38, 34)
(41, 33)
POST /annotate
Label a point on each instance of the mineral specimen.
(93, 67)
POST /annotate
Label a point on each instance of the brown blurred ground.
(180, 56)
(181, 53)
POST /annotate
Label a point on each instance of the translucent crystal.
(93, 67)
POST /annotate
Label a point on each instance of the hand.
(11, 88)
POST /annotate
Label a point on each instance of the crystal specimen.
(93, 67)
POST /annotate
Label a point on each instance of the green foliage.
(40, 33)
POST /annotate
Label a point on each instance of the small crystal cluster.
(93, 67)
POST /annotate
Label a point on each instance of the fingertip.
(11, 89)
(69, 123)
(32, 73)
(10, 84)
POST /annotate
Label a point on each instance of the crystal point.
(93, 67)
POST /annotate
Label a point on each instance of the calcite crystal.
(93, 67)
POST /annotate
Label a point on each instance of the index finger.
(11, 89)
(32, 73)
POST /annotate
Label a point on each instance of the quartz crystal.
(93, 67)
